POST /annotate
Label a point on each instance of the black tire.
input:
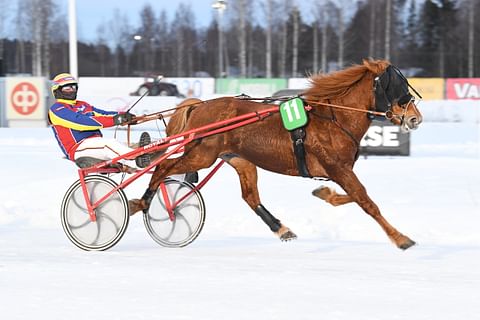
(189, 216)
(141, 91)
(112, 214)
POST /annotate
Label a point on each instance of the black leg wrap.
(147, 197)
(267, 217)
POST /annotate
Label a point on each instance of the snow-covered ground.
(342, 266)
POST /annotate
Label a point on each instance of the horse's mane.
(338, 84)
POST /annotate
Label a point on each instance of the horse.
(341, 107)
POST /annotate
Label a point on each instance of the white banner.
(124, 86)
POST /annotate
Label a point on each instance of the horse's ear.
(376, 66)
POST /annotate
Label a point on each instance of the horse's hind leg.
(247, 173)
(331, 196)
(191, 162)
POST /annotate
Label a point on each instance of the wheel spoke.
(189, 215)
(158, 219)
(172, 229)
(106, 217)
(181, 216)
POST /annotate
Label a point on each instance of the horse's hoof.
(287, 236)
(323, 192)
(406, 244)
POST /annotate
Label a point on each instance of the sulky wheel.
(112, 214)
(189, 215)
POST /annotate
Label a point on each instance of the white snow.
(342, 266)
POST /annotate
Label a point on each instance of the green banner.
(251, 87)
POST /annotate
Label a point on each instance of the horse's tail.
(178, 120)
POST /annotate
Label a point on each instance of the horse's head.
(393, 97)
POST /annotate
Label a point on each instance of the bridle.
(390, 88)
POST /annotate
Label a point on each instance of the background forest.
(259, 38)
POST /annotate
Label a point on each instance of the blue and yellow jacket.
(74, 121)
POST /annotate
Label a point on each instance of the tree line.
(260, 38)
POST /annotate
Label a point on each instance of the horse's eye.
(404, 99)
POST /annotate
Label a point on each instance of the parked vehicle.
(156, 87)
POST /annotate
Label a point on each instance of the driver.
(76, 125)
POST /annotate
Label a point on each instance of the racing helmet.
(61, 80)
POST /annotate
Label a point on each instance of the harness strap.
(333, 119)
(298, 138)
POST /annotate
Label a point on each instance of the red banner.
(463, 88)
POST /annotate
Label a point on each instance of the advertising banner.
(110, 87)
(463, 88)
(429, 88)
(385, 138)
(251, 87)
(25, 98)
(194, 87)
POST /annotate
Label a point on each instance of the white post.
(72, 32)
(220, 6)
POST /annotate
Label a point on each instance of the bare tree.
(22, 34)
(38, 14)
(341, 33)
(323, 13)
(471, 37)
(4, 13)
(283, 40)
(371, 31)
(240, 10)
(185, 39)
(37, 38)
(295, 14)
(162, 40)
(120, 38)
(102, 49)
(315, 45)
(147, 37)
(268, 7)
(388, 23)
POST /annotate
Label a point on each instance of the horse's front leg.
(247, 172)
(347, 179)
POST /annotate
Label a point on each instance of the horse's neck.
(356, 123)
(360, 98)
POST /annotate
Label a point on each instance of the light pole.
(138, 38)
(220, 6)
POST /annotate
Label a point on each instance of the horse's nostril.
(413, 122)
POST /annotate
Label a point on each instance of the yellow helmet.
(61, 80)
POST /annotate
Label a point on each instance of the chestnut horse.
(342, 106)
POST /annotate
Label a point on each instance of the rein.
(369, 112)
(167, 113)
(313, 103)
